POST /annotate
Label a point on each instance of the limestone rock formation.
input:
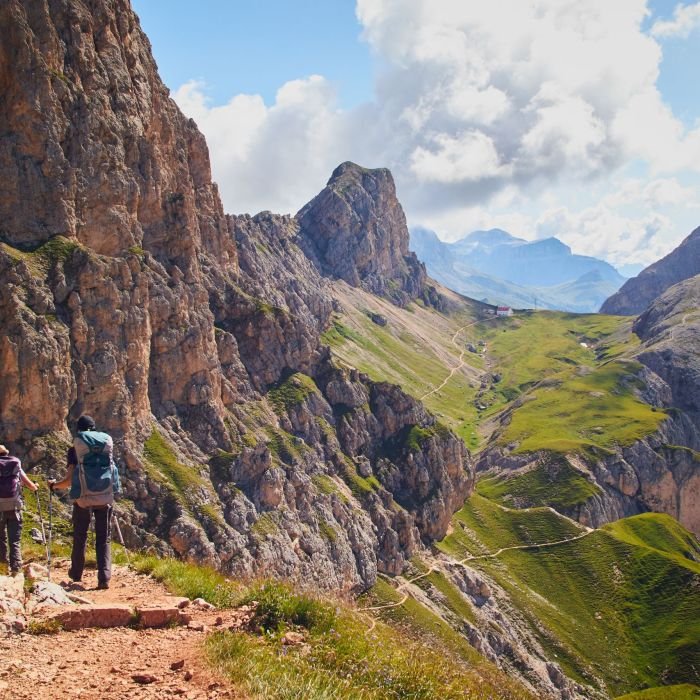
(192, 337)
(640, 291)
(670, 332)
(355, 230)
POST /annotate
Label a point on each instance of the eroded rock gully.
(192, 337)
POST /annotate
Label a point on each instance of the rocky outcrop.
(320, 498)
(504, 636)
(640, 291)
(670, 333)
(355, 230)
(657, 474)
(192, 337)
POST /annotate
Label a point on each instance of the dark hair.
(85, 423)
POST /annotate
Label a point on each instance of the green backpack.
(95, 478)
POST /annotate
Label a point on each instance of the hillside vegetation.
(338, 652)
(617, 608)
(618, 604)
(417, 349)
(566, 381)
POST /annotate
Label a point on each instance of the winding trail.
(402, 587)
(462, 562)
(461, 363)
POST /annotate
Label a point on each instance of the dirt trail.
(462, 562)
(99, 664)
(461, 362)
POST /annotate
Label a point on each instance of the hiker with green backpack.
(12, 478)
(93, 480)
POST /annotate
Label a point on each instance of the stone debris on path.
(32, 596)
(147, 657)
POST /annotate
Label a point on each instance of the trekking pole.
(121, 538)
(43, 532)
(48, 547)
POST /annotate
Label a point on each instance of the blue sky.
(258, 45)
(579, 120)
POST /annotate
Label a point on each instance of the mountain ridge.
(193, 338)
(639, 292)
(500, 268)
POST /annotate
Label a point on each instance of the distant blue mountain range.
(497, 267)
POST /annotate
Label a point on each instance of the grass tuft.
(51, 626)
(279, 607)
(291, 392)
(190, 580)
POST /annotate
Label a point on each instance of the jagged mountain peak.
(348, 169)
(501, 268)
(492, 236)
(355, 230)
(637, 293)
(551, 245)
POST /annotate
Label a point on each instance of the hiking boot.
(73, 577)
(102, 586)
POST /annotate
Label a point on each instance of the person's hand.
(51, 484)
(34, 487)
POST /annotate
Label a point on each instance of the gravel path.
(121, 662)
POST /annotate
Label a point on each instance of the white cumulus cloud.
(478, 108)
(270, 157)
(686, 19)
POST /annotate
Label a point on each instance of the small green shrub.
(52, 626)
(280, 607)
(291, 392)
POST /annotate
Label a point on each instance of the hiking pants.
(103, 537)
(11, 529)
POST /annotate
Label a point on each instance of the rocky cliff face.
(355, 230)
(640, 291)
(659, 473)
(192, 337)
(670, 333)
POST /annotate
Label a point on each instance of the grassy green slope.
(527, 348)
(593, 409)
(346, 653)
(684, 691)
(620, 604)
(578, 397)
(573, 373)
(554, 483)
(483, 526)
(415, 350)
